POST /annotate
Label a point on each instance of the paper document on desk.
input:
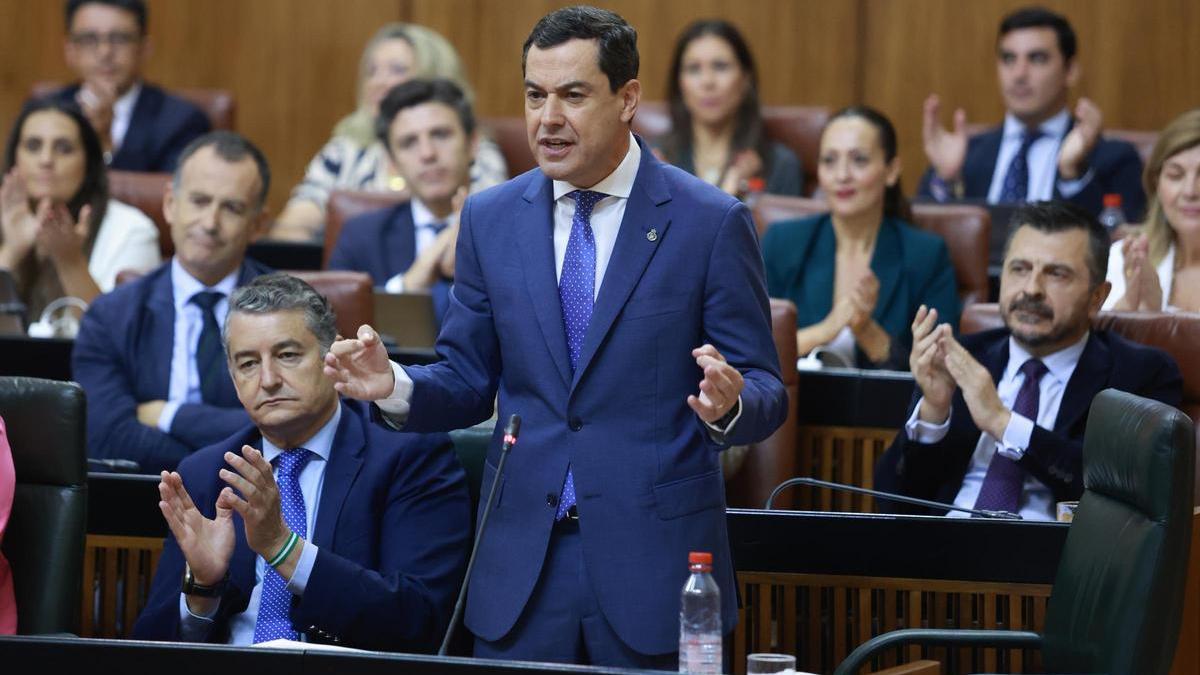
(283, 643)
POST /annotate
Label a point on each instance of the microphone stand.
(813, 482)
(510, 439)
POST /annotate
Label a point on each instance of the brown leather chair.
(345, 204)
(509, 133)
(145, 191)
(772, 461)
(349, 293)
(964, 227)
(1177, 334)
(795, 126)
(218, 105)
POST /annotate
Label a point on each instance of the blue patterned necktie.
(1005, 479)
(210, 361)
(577, 292)
(275, 602)
(1016, 181)
(438, 227)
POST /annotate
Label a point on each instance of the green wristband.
(285, 551)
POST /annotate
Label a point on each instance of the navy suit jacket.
(1055, 457)
(161, 127)
(383, 244)
(1116, 167)
(685, 270)
(122, 357)
(393, 531)
(913, 268)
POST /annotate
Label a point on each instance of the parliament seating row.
(219, 105)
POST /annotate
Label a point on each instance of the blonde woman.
(354, 159)
(1159, 268)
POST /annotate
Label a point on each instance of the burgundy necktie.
(1001, 489)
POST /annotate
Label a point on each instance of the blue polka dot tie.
(275, 602)
(577, 292)
(1016, 181)
(1005, 479)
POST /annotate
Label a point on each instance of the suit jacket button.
(575, 424)
(552, 500)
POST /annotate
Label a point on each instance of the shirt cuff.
(398, 403)
(304, 567)
(732, 423)
(395, 284)
(194, 627)
(167, 416)
(1016, 437)
(920, 431)
(1070, 188)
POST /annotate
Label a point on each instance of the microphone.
(510, 439)
(813, 482)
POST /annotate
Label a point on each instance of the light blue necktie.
(275, 602)
(576, 292)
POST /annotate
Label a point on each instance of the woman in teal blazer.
(858, 273)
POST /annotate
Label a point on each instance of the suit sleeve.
(405, 602)
(345, 255)
(460, 390)
(198, 424)
(1117, 169)
(113, 430)
(737, 321)
(923, 470)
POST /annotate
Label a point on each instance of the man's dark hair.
(231, 147)
(419, 91)
(616, 40)
(1040, 17)
(138, 7)
(1062, 216)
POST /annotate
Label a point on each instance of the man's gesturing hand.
(720, 388)
(360, 368)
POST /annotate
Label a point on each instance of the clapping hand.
(96, 99)
(863, 299)
(927, 363)
(360, 367)
(1143, 292)
(59, 237)
(253, 493)
(979, 390)
(745, 165)
(1078, 143)
(207, 544)
(945, 149)
(17, 221)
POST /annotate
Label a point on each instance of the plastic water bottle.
(700, 619)
(1112, 217)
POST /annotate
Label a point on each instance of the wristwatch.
(190, 587)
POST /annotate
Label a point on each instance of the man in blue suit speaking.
(313, 520)
(618, 305)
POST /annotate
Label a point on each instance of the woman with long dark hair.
(61, 234)
(859, 272)
(717, 129)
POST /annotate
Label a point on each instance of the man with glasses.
(142, 127)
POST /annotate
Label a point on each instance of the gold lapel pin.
(652, 235)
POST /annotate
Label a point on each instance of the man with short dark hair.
(148, 354)
(142, 127)
(618, 305)
(313, 520)
(429, 130)
(997, 421)
(1041, 152)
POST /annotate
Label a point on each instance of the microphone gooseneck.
(813, 482)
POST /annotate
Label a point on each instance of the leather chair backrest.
(1118, 594)
(797, 127)
(471, 446)
(510, 134)
(44, 543)
(965, 229)
(218, 105)
(773, 460)
(145, 192)
(345, 204)
(349, 293)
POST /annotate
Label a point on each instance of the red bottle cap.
(699, 558)
(756, 184)
(1112, 201)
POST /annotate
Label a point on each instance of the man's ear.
(1074, 72)
(1097, 297)
(631, 95)
(168, 201)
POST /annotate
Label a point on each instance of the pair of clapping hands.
(50, 228)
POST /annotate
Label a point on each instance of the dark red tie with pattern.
(1001, 489)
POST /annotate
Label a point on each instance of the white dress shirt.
(423, 222)
(193, 627)
(1042, 160)
(1037, 501)
(122, 115)
(184, 384)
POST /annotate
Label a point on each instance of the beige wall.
(291, 63)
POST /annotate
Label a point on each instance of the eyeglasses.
(118, 40)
